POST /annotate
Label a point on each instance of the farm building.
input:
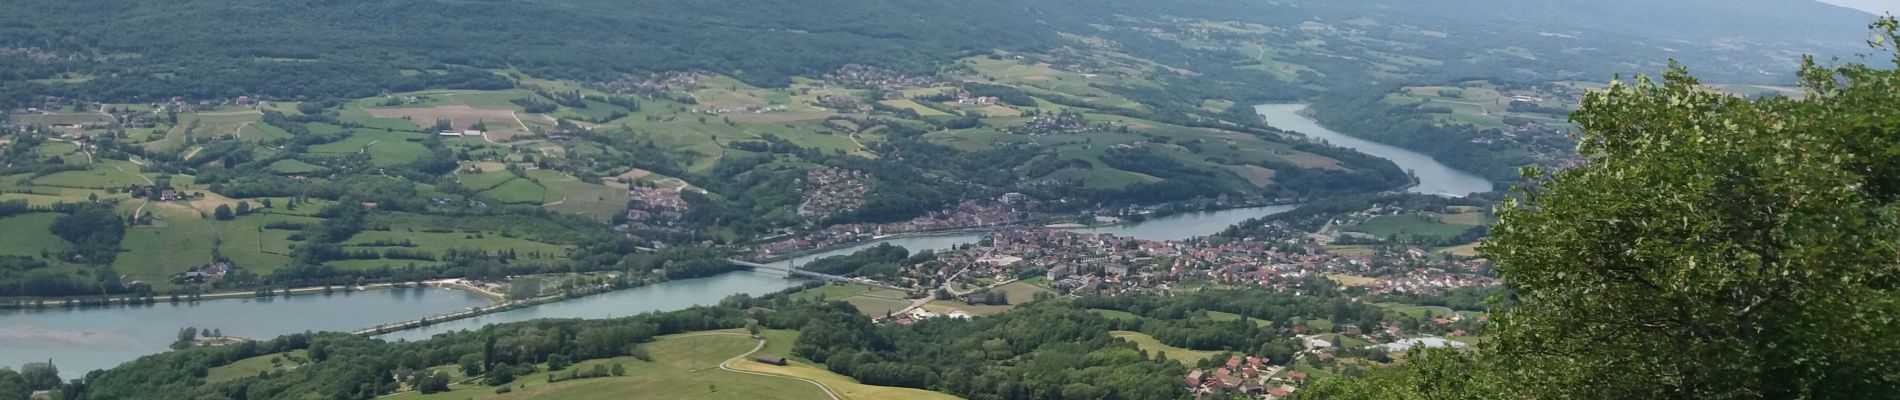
(769, 359)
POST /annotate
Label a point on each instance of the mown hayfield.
(1409, 225)
(384, 148)
(106, 174)
(52, 148)
(1155, 347)
(60, 118)
(590, 199)
(1351, 280)
(1115, 314)
(1020, 292)
(1464, 250)
(877, 306)
(488, 179)
(294, 167)
(184, 238)
(461, 117)
(1469, 217)
(1227, 316)
(684, 366)
(833, 292)
(249, 367)
(1351, 250)
(779, 342)
(913, 105)
(439, 242)
(518, 191)
(1257, 175)
(29, 234)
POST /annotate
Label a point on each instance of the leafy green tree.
(500, 375)
(471, 364)
(223, 213)
(40, 375)
(1713, 247)
(524, 288)
(433, 383)
(12, 386)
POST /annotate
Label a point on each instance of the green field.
(104, 174)
(590, 199)
(252, 366)
(1115, 314)
(683, 366)
(28, 235)
(1156, 348)
(1419, 312)
(1227, 316)
(1343, 341)
(384, 148)
(184, 239)
(518, 191)
(1018, 292)
(294, 167)
(913, 105)
(779, 342)
(833, 292)
(1410, 225)
(436, 242)
(687, 366)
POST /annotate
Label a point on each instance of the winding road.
(727, 365)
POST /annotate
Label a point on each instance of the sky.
(1877, 7)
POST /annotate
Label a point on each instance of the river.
(1172, 227)
(84, 339)
(1433, 177)
(665, 296)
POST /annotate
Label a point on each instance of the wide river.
(1433, 177)
(84, 339)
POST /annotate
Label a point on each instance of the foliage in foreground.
(1713, 247)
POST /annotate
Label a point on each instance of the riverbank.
(1430, 175)
(1043, 223)
(80, 302)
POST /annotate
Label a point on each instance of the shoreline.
(47, 303)
(1029, 224)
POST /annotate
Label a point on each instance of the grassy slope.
(251, 366)
(685, 367)
(1152, 346)
(28, 235)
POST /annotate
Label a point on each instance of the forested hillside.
(315, 49)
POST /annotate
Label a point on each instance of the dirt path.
(511, 114)
(726, 366)
(194, 151)
(854, 140)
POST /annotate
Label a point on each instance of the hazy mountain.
(1872, 6)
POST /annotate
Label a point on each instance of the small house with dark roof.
(769, 359)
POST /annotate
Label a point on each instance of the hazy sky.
(1877, 7)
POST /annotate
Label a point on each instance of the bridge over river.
(794, 271)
